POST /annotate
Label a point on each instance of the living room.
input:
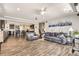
(39, 25)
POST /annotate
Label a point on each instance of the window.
(2, 24)
(11, 26)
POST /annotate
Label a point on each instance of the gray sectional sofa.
(56, 37)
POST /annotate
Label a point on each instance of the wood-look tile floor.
(22, 47)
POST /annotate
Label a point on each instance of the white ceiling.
(29, 11)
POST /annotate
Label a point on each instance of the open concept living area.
(39, 29)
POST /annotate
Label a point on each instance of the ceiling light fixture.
(42, 12)
(18, 9)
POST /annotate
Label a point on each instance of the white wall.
(74, 19)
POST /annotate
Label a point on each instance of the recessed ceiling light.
(18, 9)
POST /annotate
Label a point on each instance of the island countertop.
(1, 36)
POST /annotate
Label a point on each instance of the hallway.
(21, 47)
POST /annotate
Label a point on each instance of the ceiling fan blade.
(73, 6)
(44, 9)
(37, 12)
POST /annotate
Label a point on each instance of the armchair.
(31, 36)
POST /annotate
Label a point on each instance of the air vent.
(75, 4)
(78, 14)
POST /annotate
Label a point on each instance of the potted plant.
(76, 33)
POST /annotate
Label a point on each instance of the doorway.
(41, 29)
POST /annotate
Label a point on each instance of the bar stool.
(75, 44)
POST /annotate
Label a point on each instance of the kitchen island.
(3, 37)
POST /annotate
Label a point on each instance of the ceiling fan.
(41, 11)
(74, 8)
(76, 4)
